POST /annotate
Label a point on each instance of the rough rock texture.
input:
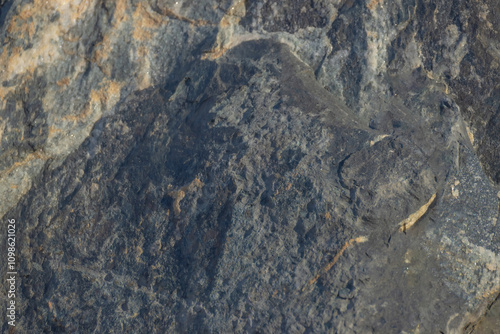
(252, 166)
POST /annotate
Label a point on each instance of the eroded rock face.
(251, 166)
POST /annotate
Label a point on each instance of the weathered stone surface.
(177, 166)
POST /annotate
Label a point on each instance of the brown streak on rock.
(335, 259)
(414, 217)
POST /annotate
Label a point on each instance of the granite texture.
(251, 166)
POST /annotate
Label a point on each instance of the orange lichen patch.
(30, 157)
(196, 184)
(374, 3)
(328, 216)
(139, 251)
(414, 217)
(63, 82)
(120, 15)
(491, 293)
(104, 98)
(33, 20)
(18, 24)
(104, 48)
(178, 195)
(53, 130)
(68, 9)
(110, 95)
(81, 9)
(31, 29)
(335, 259)
(84, 114)
(102, 53)
(145, 18)
(143, 51)
(492, 266)
(141, 34)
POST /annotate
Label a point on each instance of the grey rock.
(251, 166)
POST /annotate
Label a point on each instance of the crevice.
(488, 322)
(339, 172)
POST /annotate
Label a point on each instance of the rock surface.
(251, 166)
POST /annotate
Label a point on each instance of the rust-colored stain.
(139, 250)
(37, 155)
(103, 50)
(63, 82)
(84, 114)
(329, 266)
(53, 130)
(489, 294)
(32, 23)
(178, 195)
(374, 3)
(144, 22)
(121, 12)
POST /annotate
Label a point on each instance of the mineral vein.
(329, 266)
(414, 217)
